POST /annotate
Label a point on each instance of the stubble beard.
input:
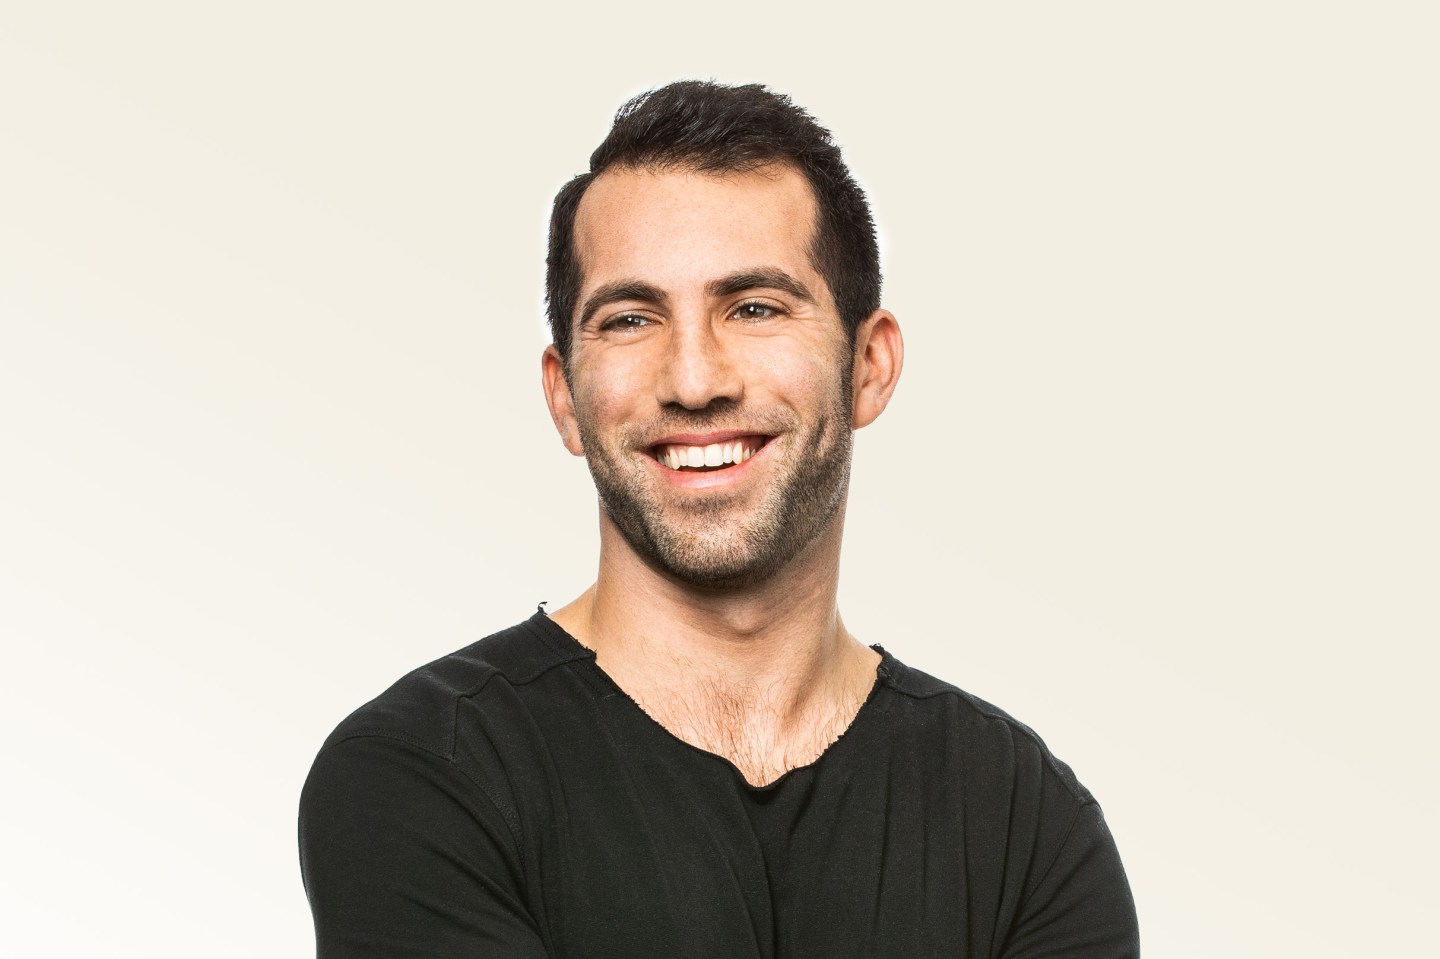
(716, 541)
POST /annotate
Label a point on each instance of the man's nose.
(699, 367)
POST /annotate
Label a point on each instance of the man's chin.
(724, 556)
(712, 576)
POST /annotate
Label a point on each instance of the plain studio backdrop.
(1160, 477)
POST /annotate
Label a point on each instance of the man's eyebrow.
(619, 292)
(762, 277)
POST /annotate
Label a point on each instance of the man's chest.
(654, 864)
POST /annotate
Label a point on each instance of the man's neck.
(765, 675)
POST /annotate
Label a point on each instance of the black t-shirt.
(509, 800)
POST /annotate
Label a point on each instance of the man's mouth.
(708, 457)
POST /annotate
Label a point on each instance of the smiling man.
(695, 758)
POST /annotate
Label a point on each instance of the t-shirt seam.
(447, 751)
(1054, 765)
(567, 656)
(512, 821)
(1045, 874)
(573, 653)
(524, 678)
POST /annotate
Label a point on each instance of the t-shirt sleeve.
(1081, 905)
(403, 855)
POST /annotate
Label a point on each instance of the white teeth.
(710, 456)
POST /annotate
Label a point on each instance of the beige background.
(1159, 479)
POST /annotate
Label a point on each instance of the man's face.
(710, 375)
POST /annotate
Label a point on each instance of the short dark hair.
(711, 128)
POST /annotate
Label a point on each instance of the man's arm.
(404, 856)
(1082, 905)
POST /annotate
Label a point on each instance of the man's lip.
(705, 439)
(727, 476)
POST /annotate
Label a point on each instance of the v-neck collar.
(607, 687)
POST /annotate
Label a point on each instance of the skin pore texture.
(714, 392)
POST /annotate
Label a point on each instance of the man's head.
(718, 130)
(707, 372)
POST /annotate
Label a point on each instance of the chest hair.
(748, 727)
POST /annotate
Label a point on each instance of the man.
(694, 758)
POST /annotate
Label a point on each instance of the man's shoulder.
(981, 727)
(421, 707)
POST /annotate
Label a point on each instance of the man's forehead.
(689, 222)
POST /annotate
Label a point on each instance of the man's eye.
(754, 311)
(626, 322)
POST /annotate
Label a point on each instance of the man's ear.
(879, 355)
(558, 398)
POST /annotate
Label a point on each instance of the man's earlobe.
(879, 357)
(559, 399)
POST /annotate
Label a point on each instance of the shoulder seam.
(567, 656)
(996, 714)
(512, 820)
(507, 812)
(1069, 831)
(453, 736)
